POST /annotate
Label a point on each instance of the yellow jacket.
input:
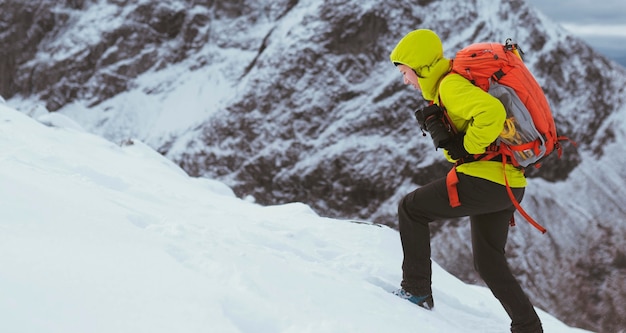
(481, 116)
(472, 110)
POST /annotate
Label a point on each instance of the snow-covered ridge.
(98, 237)
(297, 101)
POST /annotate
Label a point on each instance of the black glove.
(431, 112)
(455, 147)
(432, 120)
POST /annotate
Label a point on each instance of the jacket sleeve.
(473, 111)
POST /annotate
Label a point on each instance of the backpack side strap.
(452, 180)
(516, 203)
(453, 194)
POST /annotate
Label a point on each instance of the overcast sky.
(601, 23)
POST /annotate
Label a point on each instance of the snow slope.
(98, 237)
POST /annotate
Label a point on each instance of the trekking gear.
(427, 302)
(455, 147)
(529, 133)
(431, 119)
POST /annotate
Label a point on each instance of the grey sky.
(601, 23)
(583, 11)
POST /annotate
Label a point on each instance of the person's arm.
(473, 111)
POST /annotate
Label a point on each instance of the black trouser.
(490, 210)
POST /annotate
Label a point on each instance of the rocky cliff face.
(300, 103)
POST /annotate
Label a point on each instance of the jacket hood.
(422, 51)
(418, 49)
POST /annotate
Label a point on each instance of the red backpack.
(529, 132)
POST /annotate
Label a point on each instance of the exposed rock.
(321, 116)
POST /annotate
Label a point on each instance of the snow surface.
(100, 237)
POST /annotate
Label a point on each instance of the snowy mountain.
(296, 101)
(98, 237)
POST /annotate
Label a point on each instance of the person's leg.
(422, 206)
(489, 236)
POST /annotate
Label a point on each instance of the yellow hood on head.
(422, 51)
(419, 48)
